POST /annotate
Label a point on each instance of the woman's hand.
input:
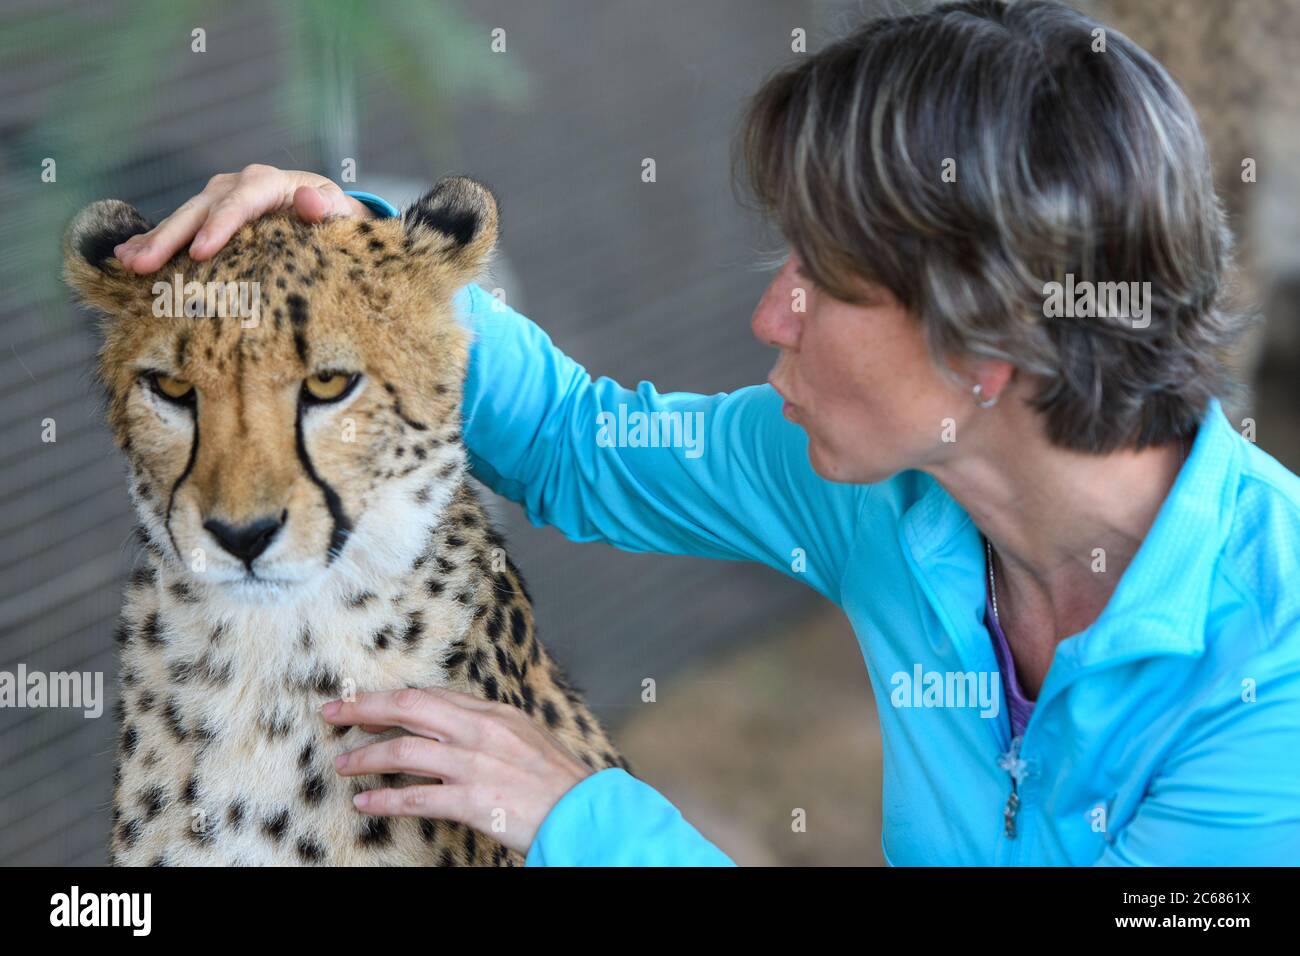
(229, 201)
(501, 773)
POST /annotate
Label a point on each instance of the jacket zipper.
(1016, 768)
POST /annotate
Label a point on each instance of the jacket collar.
(1162, 600)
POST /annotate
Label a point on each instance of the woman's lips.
(788, 408)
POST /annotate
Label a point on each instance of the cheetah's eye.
(173, 389)
(328, 386)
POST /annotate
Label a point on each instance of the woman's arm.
(734, 481)
(721, 476)
(613, 819)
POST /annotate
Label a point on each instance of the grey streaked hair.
(1068, 162)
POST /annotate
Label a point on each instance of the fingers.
(512, 827)
(314, 203)
(461, 699)
(148, 251)
(414, 755)
(494, 765)
(417, 711)
(232, 198)
(225, 216)
(257, 191)
(436, 801)
(208, 220)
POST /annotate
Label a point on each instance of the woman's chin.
(824, 461)
(837, 468)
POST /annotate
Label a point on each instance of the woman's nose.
(775, 322)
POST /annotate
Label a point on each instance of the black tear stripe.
(171, 497)
(342, 523)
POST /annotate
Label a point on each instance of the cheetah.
(308, 529)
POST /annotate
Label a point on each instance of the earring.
(978, 391)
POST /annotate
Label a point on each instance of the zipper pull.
(1009, 813)
(1018, 769)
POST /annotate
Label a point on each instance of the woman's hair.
(968, 157)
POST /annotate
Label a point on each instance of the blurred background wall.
(763, 702)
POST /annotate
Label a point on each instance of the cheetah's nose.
(248, 541)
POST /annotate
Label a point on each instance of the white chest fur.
(225, 757)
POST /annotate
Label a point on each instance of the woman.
(993, 436)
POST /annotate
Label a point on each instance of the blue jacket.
(1166, 733)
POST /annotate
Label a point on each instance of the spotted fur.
(382, 569)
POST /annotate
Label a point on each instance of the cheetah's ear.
(455, 225)
(89, 266)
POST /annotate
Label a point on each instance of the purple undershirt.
(1020, 706)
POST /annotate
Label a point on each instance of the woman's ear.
(453, 225)
(89, 266)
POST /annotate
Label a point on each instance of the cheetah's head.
(293, 404)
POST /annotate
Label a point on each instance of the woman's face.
(858, 379)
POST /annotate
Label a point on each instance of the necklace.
(988, 551)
